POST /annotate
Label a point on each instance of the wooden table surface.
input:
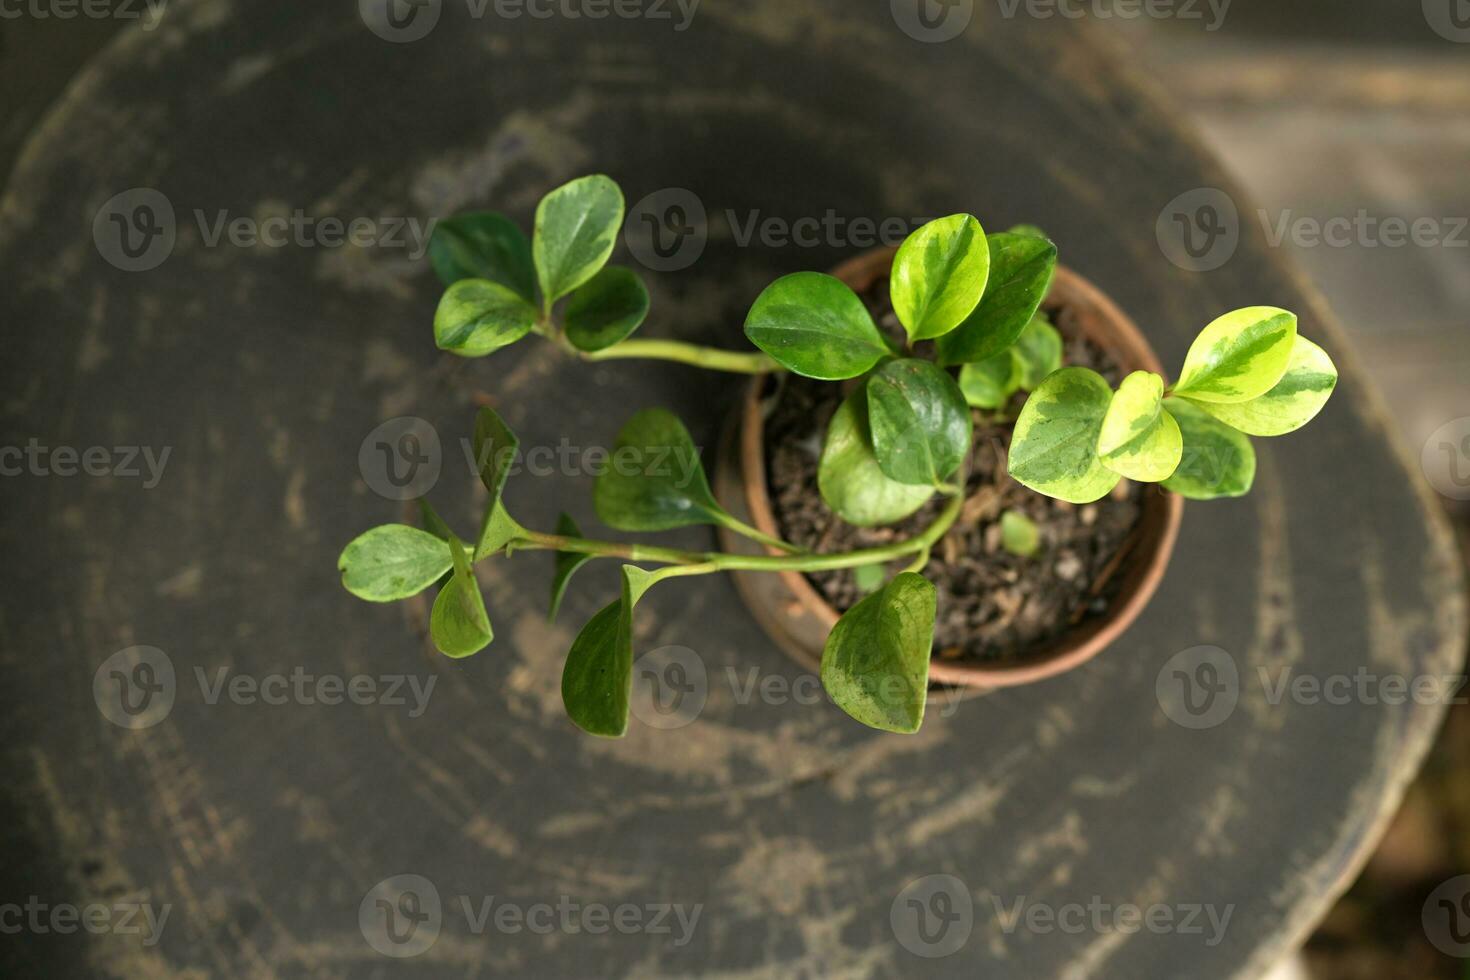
(264, 828)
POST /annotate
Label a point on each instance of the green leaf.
(869, 578)
(815, 325)
(1021, 269)
(939, 275)
(477, 316)
(1293, 402)
(458, 622)
(597, 680)
(875, 664)
(433, 523)
(498, 530)
(849, 477)
(567, 563)
(1018, 534)
(919, 420)
(1239, 356)
(1039, 349)
(1138, 439)
(1054, 444)
(991, 382)
(654, 480)
(495, 450)
(1218, 461)
(392, 561)
(483, 245)
(609, 307)
(1030, 230)
(576, 227)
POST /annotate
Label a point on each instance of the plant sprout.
(900, 436)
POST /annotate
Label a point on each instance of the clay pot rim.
(1157, 528)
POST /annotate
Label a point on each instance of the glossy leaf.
(1293, 402)
(1138, 440)
(875, 664)
(919, 420)
(483, 245)
(458, 622)
(495, 448)
(1218, 461)
(597, 679)
(1019, 534)
(392, 561)
(606, 309)
(1021, 269)
(938, 275)
(1039, 350)
(1238, 356)
(1054, 444)
(654, 479)
(567, 563)
(816, 326)
(991, 382)
(576, 227)
(849, 477)
(477, 316)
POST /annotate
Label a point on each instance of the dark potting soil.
(993, 605)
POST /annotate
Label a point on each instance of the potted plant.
(960, 402)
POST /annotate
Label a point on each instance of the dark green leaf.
(495, 451)
(1054, 444)
(567, 563)
(654, 480)
(476, 317)
(876, 661)
(605, 310)
(938, 275)
(920, 423)
(849, 477)
(576, 227)
(1039, 351)
(392, 561)
(816, 326)
(433, 523)
(1218, 461)
(991, 382)
(458, 622)
(597, 680)
(1021, 269)
(483, 245)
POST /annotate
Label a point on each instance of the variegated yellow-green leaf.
(1021, 269)
(477, 316)
(458, 622)
(938, 275)
(849, 477)
(1294, 401)
(1138, 440)
(1218, 461)
(576, 227)
(920, 424)
(1054, 444)
(815, 325)
(875, 664)
(393, 561)
(991, 382)
(1039, 350)
(1238, 356)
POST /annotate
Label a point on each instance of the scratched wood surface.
(263, 371)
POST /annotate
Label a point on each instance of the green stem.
(746, 531)
(738, 362)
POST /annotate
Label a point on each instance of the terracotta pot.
(798, 618)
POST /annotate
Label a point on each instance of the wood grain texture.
(265, 369)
